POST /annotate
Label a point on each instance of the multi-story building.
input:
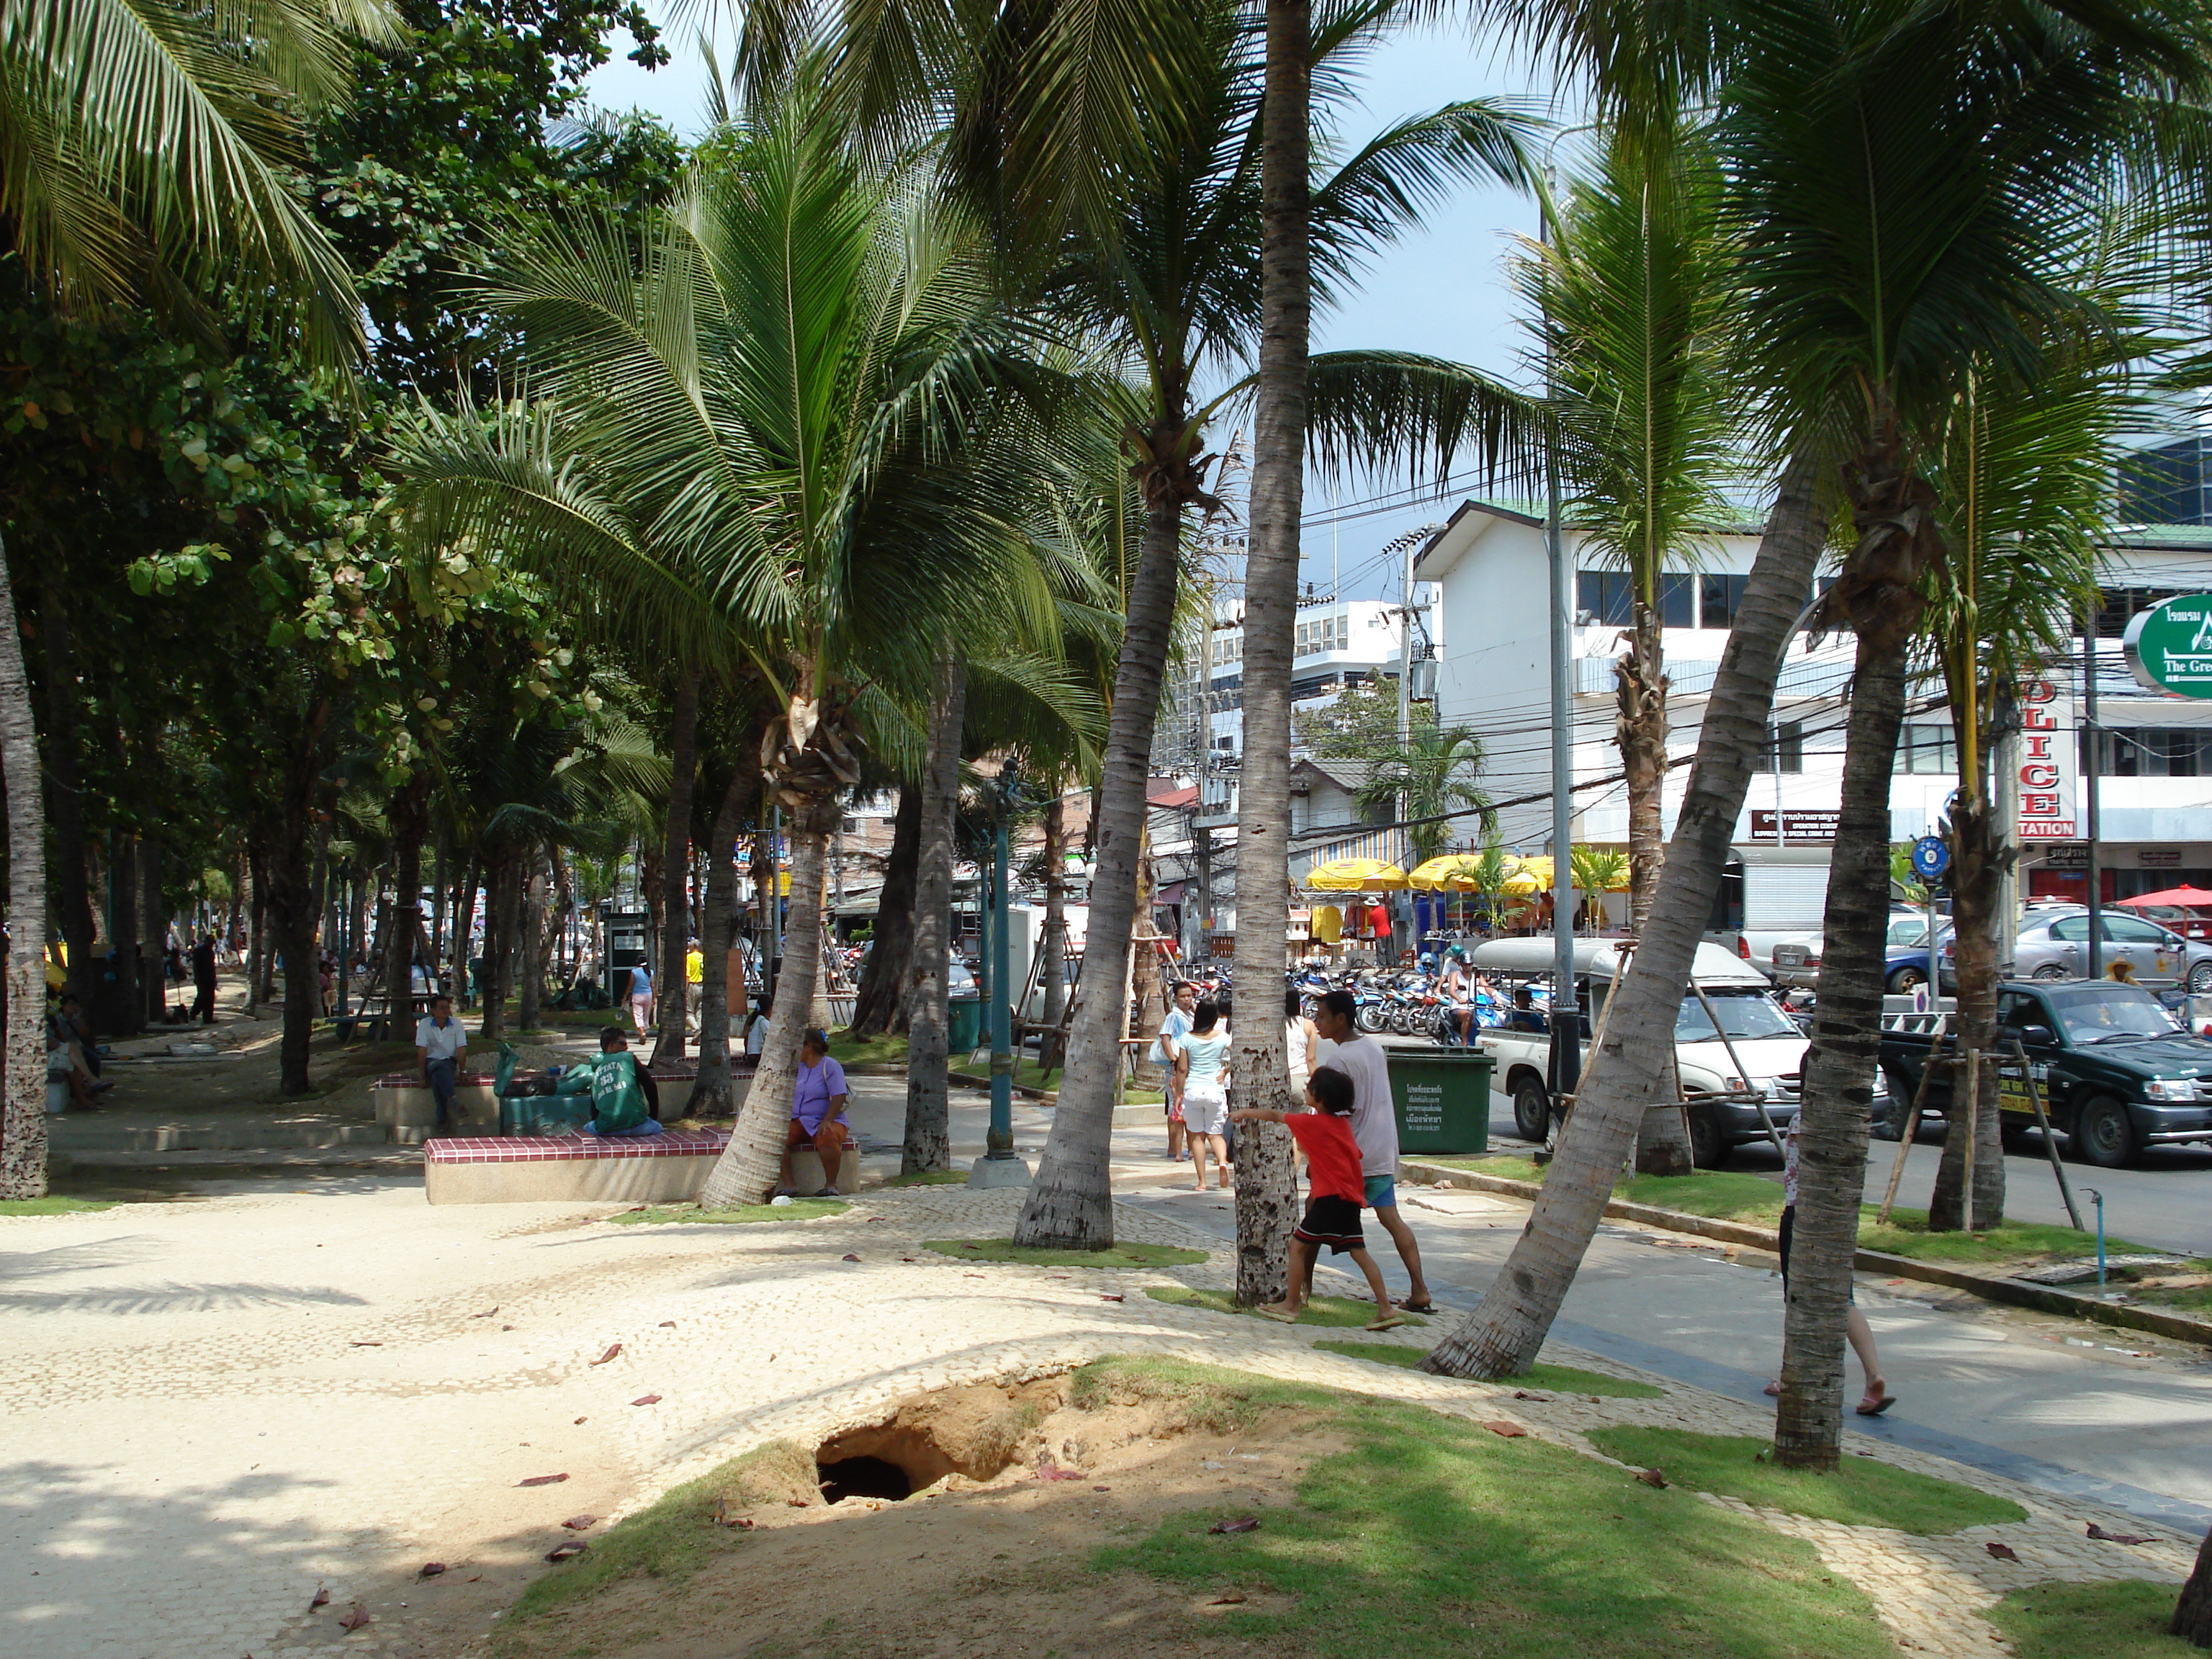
(2156, 758)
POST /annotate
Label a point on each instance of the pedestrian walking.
(1877, 1398)
(641, 998)
(203, 980)
(1167, 1054)
(1204, 1068)
(441, 1049)
(1374, 1128)
(1323, 1133)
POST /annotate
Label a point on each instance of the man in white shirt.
(1167, 1050)
(441, 1049)
(1374, 1125)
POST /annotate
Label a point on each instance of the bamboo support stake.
(1912, 1121)
(1759, 1096)
(2050, 1142)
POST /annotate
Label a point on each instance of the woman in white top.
(1300, 1048)
(1204, 1064)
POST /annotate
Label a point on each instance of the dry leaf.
(476, 1578)
(544, 1480)
(613, 1348)
(2002, 1552)
(1241, 1523)
(2102, 1537)
(1523, 1393)
(577, 1523)
(365, 1344)
(1226, 1599)
(1510, 1431)
(583, 1419)
(1103, 1297)
(430, 1569)
(647, 1400)
(1651, 1478)
(1102, 1489)
(486, 1314)
(356, 1618)
(322, 1599)
(848, 1256)
(667, 1324)
(566, 1551)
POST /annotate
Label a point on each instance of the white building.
(1494, 675)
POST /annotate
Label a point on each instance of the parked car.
(1797, 962)
(2058, 947)
(2115, 1072)
(1753, 1030)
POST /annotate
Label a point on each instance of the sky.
(1441, 290)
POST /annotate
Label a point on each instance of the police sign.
(2169, 646)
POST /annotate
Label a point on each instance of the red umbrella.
(2184, 897)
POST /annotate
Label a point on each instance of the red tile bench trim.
(543, 1149)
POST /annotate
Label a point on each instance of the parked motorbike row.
(1409, 1001)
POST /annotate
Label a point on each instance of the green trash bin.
(963, 1026)
(1441, 1098)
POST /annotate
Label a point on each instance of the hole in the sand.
(863, 1477)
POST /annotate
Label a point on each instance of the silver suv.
(2058, 947)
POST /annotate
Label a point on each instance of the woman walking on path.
(640, 999)
(1205, 1069)
(1878, 1398)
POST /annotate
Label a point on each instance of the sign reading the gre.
(2169, 646)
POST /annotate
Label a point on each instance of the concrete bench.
(409, 1111)
(663, 1169)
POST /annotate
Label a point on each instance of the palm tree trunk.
(501, 894)
(928, 1140)
(748, 1164)
(1070, 1204)
(1663, 1140)
(1051, 1051)
(123, 882)
(671, 987)
(2192, 1614)
(1267, 1188)
(66, 812)
(1976, 865)
(1831, 1134)
(1502, 1336)
(257, 947)
(23, 1076)
(530, 957)
(295, 902)
(465, 920)
(153, 992)
(713, 1094)
(881, 1003)
(409, 814)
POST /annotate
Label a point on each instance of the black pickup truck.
(2116, 1073)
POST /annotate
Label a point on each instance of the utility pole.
(1406, 648)
(2007, 761)
(2090, 758)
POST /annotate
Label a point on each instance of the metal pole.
(2098, 1198)
(1000, 1142)
(2090, 758)
(1567, 1019)
(1406, 652)
(2008, 803)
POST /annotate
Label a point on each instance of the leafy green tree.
(1360, 723)
(1433, 774)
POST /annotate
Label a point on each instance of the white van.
(1753, 1031)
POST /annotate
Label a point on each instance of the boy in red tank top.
(1323, 1133)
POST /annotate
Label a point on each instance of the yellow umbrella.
(1355, 876)
(1456, 871)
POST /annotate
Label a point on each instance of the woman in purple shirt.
(818, 1111)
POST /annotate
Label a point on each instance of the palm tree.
(1173, 289)
(2022, 470)
(140, 148)
(1434, 775)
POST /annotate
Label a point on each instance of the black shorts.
(1789, 1229)
(1332, 1221)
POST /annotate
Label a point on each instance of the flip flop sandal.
(1389, 1322)
(1878, 1407)
(1278, 1316)
(1417, 1307)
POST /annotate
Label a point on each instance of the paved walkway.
(215, 1408)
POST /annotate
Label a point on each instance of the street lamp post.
(998, 1167)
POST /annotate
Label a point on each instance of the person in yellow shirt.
(695, 965)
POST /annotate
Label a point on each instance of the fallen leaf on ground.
(667, 1324)
(1511, 1430)
(1241, 1523)
(583, 1419)
(365, 1344)
(506, 1328)
(486, 1314)
(476, 1578)
(613, 1348)
(2002, 1552)
(1102, 1489)
(322, 1599)
(356, 1619)
(647, 1400)
(544, 1480)
(796, 1503)
(1523, 1393)
(1104, 1297)
(848, 1256)
(577, 1523)
(909, 1258)
(1048, 1470)
(566, 1551)
(1651, 1478)
(1226, 1599)
(2102, 1537)
(430, 1569)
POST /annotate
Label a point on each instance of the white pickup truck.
(1754, 1034)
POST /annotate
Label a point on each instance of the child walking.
(1323, 1133)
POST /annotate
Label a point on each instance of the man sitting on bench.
(624, 1100)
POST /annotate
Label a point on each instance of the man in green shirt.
(619, 1088)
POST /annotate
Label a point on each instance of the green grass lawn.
(1428, 1537)
(1122, 1255)
(1566, 1379)
(1335, 1310)
(2123, 1620)
(888, 1048)
(930, 1178)
(1863, 1493)
(51, 1204)
(799, 1209)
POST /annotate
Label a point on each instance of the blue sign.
(1931, 857)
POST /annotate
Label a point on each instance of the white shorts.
(1205, 1107)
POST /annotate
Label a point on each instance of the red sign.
(2046, 765)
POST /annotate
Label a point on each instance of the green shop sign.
(2169, 646)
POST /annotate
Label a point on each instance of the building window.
(1678, 601)
(1718, 599)
(2153, 752)
(1608, 598)
(1927, 748)
(1785, 747)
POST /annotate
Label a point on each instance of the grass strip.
(51, 1204)
(1428, 1537)
(930, 1178)
(886, 1048)
(1123, 1255)
(2126, 1619)
(1333, 1310)
(1566, 1379)
(1862, 1493)
(799, 1209)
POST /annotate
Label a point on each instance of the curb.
(2043, 1299)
